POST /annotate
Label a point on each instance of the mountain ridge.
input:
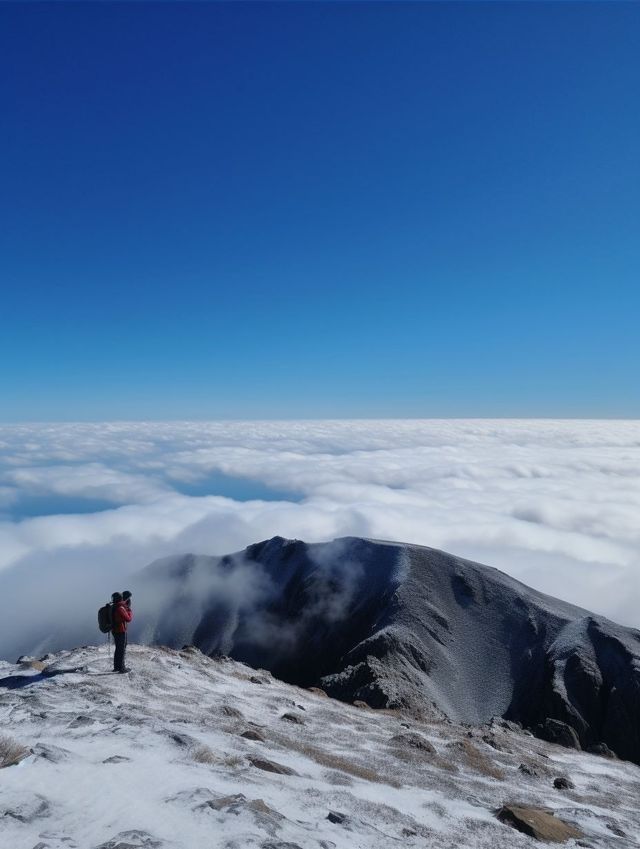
(412, 627)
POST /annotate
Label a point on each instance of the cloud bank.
(555, 504)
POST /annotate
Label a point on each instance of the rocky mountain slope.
(189, 751)
(405, 626)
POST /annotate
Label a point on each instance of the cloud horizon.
(554, 503)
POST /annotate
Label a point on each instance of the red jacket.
(121, 615)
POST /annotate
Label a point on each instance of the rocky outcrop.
(402, 626)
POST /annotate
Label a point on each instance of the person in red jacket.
(121, 615)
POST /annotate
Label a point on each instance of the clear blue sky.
(283, 210)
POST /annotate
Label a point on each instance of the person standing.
(122, 615)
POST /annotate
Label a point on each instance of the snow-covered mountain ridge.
(190, 752)
(405, 626)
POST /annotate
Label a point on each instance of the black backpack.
(105, 618)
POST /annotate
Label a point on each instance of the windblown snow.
(188, 751)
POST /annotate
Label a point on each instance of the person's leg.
(118, 657)
(124, 650)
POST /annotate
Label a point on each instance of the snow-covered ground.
(160, 754)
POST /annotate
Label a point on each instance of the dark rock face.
(558, 732)
(402, 626)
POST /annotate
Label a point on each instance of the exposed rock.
(232, 712)
(527, 769)
(615, 829)
(360, 704)
(412, 740)
(253, 734)
(38, 665)
(184, 740)
(293, 717)
(272, 766)
(279, 844)
(538, 822)
(239, 802)
(132, 840)
(318, 691)
(563, 783)
(81, 721)
(337, 817)
(491, 740)
(601, 749)
(555, 731)
(55, 754)
(116, 759)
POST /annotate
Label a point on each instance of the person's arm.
(127, 613)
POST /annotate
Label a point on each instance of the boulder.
(412, 740)
(271, 766)
(555, 731)
(538, 822)
(601, 749)
(563, 783)
(253, 734)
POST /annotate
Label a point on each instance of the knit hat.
(126, 595)
(115, 597)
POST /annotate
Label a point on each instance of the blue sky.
(310, 210)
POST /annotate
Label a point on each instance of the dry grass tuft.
(204, 755)
(335, 762)
(477, 761)
(11, 752)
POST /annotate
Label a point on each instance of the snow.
(154, 752)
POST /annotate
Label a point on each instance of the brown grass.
(477, 761)
(335, 762)
(11, 752)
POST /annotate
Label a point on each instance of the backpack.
(105, 618)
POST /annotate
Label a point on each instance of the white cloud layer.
(556, 504)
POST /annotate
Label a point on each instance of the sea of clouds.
(556, 504)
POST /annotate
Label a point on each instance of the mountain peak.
(411, 627)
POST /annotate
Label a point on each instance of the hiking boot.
(125, 669)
